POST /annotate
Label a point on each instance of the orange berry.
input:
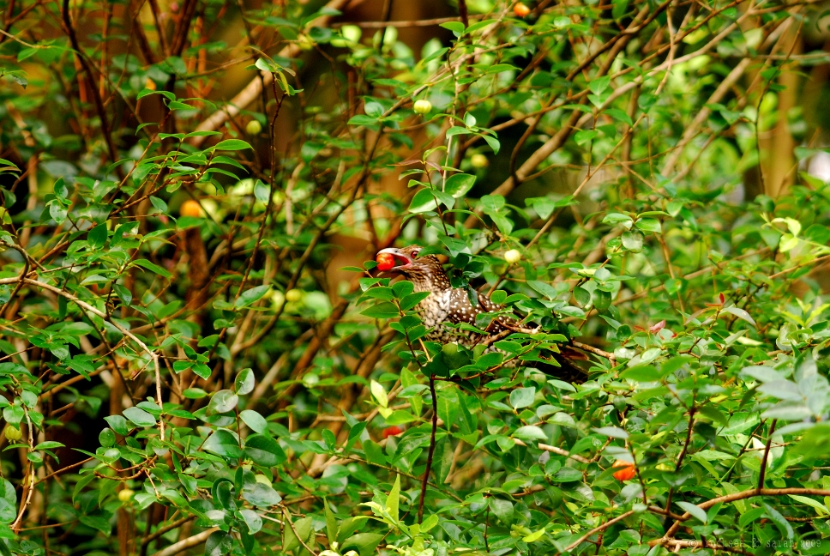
(627, 471)
(521, 10)
(190, 208)
(391, 431)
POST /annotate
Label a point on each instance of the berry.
(626, 472)
(13, 434)
(191, 208)
(277, 298)
(293, 295)
(512, 256)
(125, 495)
(521, 10)
(351, 36)
(385, 261)
(391, 431)
(478, 161)
(351, 32)
(253, 127)
(422, 106)
(305, 42)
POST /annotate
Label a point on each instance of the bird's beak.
(407, 261)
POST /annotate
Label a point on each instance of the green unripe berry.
(479, 161)
(125, 495)
(253, 127)
(512, 256)
(422, 106)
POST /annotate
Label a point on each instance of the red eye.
(415, 253)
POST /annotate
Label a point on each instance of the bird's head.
(424, 271)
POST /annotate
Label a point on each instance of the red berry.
(391, 431)
(385, 261)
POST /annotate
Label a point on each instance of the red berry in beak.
(385, 261)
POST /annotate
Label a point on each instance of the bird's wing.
(461, 310)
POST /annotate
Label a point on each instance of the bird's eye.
(415, 253)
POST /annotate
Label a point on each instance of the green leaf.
(223, 443)
(252, 521)
(424, 200)
(619, 115)
(251, 296)
(154, 268)
(385, 310)
(649, 225)
(261, 495)
(456, 27)
(633, 241)
(616, 218)
(222, 401)
(567, 475)
(139, 417)
(393, 499)
(818, 506)
(364, 543)
(585, 136)
(379, 393)
(98, 236)
(613, 432)
(762, 373)
(695, 511)
(254, 420)
(331, 523)
(264, 450)
(779, 520)
(533, 537)
(642, 373)
(502, 509)
(118, 424)
(8, 502)
(741, 314)
(218, 543)
(459, 185)
(530, 433)
(232, 145)
(303, 528)
(522, 397)
(619, 8)
(245, 382)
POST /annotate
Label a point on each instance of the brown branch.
(431, 451)
(189, 542)
(405, 23)
(739, 496)
(89, 308)
(96, 97)
(596, 530)
(555, 450)
(763, 472)
(250, 93)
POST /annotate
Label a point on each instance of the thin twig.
(431, 451)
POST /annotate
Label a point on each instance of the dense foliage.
(198, 354)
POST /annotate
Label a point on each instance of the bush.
(193, 197)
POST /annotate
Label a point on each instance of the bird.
(448, 305)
